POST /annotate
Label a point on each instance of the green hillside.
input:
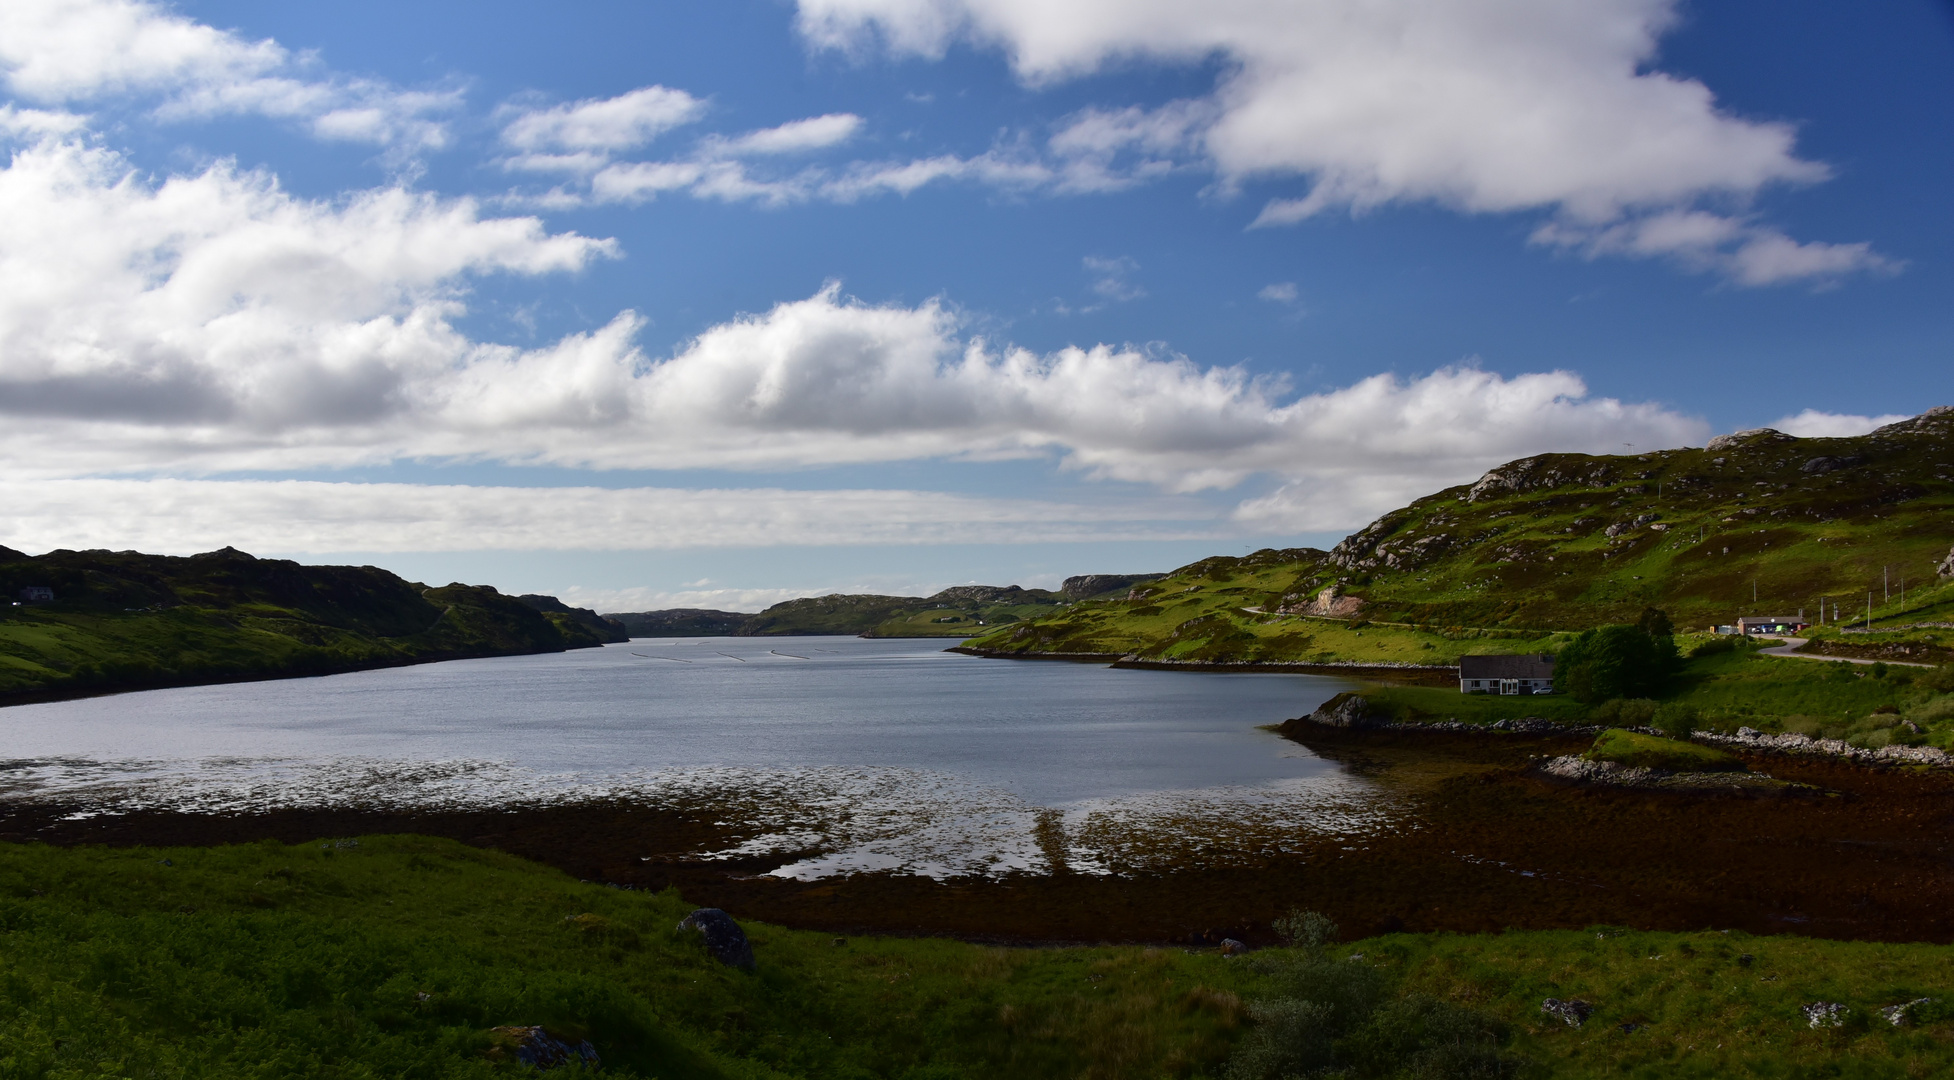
(1758, 523)
(959, 611)
(126, 620)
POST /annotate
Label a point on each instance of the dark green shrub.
(1290, 1038)
(1617, 661)
(1940, 678)
(1306, 929)
(1715, 646)
(1676, 720)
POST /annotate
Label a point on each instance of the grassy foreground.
(396, 955)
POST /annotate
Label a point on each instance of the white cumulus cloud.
(1487, 106)
(1816, 424)
(69, 51)
(602, 125)
(796, 136)
(213, 322)
(178, 516)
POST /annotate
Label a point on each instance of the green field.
(1865, 705)
(395, 956)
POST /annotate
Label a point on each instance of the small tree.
(1617, 661)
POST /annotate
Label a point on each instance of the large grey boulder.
(1946, 568)
(1347, 711)
(540, 1049)
(724, 939)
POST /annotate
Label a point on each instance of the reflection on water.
(834, 755)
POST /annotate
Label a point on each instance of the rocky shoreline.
(1349, 668)
(1574, 769)
(1353, 712)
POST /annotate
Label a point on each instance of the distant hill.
(958, 611)
(127, 620)
(1757, 523)
(681, 622)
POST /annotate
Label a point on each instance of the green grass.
(396, 956)
(1635, 749)
(1725, 690)
(1413, 703)
(1699, 1011)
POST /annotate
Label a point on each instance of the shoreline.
(1749, 739)
(1132, 661)
(39, 697)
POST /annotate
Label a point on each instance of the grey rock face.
(1824, 1014)
(724, 939)
(539, 1049)
(1906, 1014)
(1573, 1012)
(1084, 585)
(1346, 711)
(1946, 568)
(1743, 438)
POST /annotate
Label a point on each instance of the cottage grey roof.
(1524, 666)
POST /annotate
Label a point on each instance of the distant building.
(36, 593)
(1768, 624)
(1528, 673)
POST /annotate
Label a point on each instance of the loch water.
(859, 754)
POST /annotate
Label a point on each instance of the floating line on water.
(796, 656)
(673, 659)
(741, 659)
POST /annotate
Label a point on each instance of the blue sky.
(713, 304)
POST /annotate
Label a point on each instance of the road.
(1792, 643)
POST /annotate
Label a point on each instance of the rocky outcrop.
(1573, 1012)
(1084, 585)
(989, 594)
(1348, 711)
(540, 1049)
(724, 939)
(1573, 769)
(1946, 568)
(1804, 745)
(1940, 417)
(1762, 436)
(1819, 466)
(1824, 1014)
(1631, 525)
(1331, 603)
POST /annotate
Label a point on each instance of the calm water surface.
(884, 754)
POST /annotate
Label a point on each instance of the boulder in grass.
(1231, 947)
(1824, 1014)
(535, 1047)
(724, 939)
(1908, 1013)
(1573, 1012)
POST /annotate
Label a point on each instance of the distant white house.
(36, 594)
(1526, 673)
